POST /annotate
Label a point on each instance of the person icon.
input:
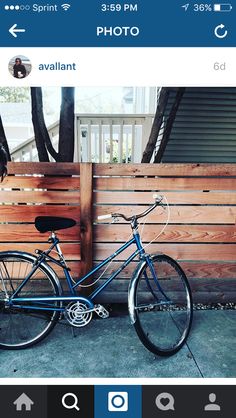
(19, 70)
(212, 406)
(19, 66)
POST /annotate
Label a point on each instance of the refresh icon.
(220, 31)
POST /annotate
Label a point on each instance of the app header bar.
(135, 23)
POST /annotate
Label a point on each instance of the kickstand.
(73, 332)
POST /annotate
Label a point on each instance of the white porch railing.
(99, 138)
(27, 150)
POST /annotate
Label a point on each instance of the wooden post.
(86, 216)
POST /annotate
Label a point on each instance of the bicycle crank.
(78, 314)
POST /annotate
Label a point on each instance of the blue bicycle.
(32, 300)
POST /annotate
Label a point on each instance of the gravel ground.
(215, 306)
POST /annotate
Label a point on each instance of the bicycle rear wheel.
(22, 326)
(162, 305)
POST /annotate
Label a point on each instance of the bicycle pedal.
(101, 311)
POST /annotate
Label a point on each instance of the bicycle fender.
(141, 264)
(33, 258)
(132, 311)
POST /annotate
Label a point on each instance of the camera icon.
(117, 401)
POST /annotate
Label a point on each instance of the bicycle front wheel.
(162, 305)
(21, 325)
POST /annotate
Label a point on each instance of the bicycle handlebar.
(158, 200)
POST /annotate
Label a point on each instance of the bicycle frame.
(44, 256)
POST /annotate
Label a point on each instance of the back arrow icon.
(13, 30)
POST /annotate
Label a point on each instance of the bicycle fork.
(146, 260)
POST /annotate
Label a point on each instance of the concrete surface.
(111, 348)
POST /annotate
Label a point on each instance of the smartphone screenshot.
(117, 208)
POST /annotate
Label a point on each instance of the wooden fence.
(201, 233)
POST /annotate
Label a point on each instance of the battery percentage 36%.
(208, 7)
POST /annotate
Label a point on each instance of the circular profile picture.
(19, 66)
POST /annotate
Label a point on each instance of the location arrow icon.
(13, 31)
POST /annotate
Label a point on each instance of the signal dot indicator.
(12, 7)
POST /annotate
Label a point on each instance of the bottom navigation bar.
(117, 401)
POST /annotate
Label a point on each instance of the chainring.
(77, 314)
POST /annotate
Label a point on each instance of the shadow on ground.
(110, 348)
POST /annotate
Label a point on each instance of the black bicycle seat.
(52, 223)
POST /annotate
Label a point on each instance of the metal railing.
(99, 138)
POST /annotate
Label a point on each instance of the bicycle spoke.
(22, 327)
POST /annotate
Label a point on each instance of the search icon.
(74, 403)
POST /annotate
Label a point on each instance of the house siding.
(205, 127)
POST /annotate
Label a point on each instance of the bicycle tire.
(21, 327)
(161, 311)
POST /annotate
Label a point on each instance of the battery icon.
(222, 7)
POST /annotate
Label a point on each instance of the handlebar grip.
(157, 197)
(103, 217)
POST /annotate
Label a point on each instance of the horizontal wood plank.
(198, 270)
(160, 183)
(33, 196)
(179, 198)
(71, 251)
(28, 233)
(41, 182)
(211, 252)
(28, 213)
(175, 233)
(226, 170)
(204, 285)
(209, 270)
(44, 168)
(178, 214)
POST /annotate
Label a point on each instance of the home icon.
(23, 403)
